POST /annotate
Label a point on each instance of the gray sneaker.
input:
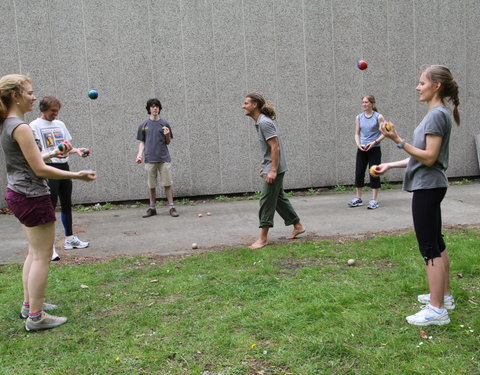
(448, 301)
(355, 202)
(47, 322)
(46, 307)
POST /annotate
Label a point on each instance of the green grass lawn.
(291, 309)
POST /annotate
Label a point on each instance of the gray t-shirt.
(20, 177)
(417, 175)
(151, 133)
(266, 129)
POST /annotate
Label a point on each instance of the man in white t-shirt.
(51, 133)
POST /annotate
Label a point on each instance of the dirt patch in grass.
(296, 263)
(171, 299)
(261, 367)
(339, 239)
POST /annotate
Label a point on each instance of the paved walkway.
(125, 232)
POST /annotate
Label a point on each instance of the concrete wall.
(201, 57)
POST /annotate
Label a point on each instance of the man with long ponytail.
(273, 168)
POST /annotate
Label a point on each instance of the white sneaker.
(373, 204)
(448, 301)
(74, 242)
(55, 256)
(427, 316)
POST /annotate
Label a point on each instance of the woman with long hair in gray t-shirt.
(28, 195)
(367, 138)
(425, 177)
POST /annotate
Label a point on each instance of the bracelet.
(402, 143)
(51, 154)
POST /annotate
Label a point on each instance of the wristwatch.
(402, 143)
(51, 154)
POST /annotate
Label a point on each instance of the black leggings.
(364, 158)
(62, 189)
(427, 221)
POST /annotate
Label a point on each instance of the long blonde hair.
(10, 84)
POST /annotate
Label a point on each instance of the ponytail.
(456, 114)
(263, 105)
(3, 113)
(448, 86)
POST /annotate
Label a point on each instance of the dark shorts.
(30, 211)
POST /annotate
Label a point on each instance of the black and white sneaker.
(355, 202)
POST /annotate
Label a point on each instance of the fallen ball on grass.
(194, 246)
(351, 262)
(208, 213)
(200, 215)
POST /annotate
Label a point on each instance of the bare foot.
(296, 232)
(258, 244)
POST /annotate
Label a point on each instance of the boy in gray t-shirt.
(154, 135)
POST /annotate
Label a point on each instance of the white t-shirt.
(51, 134)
